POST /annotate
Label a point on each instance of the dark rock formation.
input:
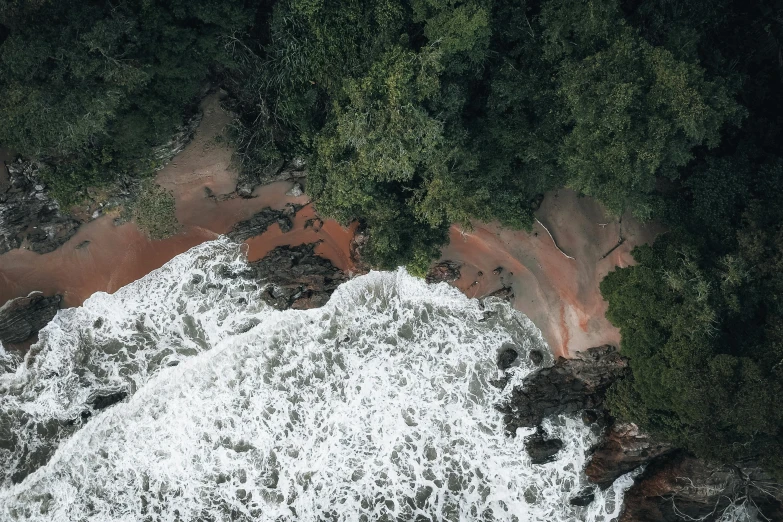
(505, 293)
(28, 216)
(356, 249)
(507, 358)
(571, 385)
(445, 271)
(294, 170)
(101, 402)
(536, 357)
(542, 449)
(584, 498)
(679, 487)
(23, 317)
(261, 221)
(298, 277)
(165, 153)
(674, 486)
(589, 417)
(624, 449)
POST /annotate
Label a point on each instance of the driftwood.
(553, 239)
(620, 238)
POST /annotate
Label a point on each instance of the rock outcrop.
(445, 271)
(23, 317)
(262, 220)
(28, 216)
(680, 487)
(571, 385)
(294, 170)
(298, 277)
(542, 449)
(178, 141)
(505, 293)
(624, 448)
(674, 485)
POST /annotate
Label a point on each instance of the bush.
(154, 211)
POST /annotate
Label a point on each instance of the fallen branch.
(622, 240)
(553, 239)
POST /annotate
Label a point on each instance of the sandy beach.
(554, 270)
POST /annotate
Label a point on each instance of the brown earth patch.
(105, 257)
(560, 295)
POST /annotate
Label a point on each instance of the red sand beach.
(555, 284)
(118, 255)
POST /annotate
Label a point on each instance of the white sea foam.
(375, 407)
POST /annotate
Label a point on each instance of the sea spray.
(377, 406)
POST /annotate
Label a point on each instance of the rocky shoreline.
(674, 484)
(29, 217)
(23, 317)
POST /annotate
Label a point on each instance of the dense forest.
(416, 114)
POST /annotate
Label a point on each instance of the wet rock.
(570, 386)
(542, 449)
(584, 498)
(589, 417)
(28, 216)
(506, 294)
(445, 271)
(623, 449)
(295, 191)
(507, 358)
(536, 357)
(23, 317)
(298, 277)
(101, 402)
(680, 487)
(261, 221)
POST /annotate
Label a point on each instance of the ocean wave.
(377, 406)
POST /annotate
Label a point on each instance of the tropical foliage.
(415, 114)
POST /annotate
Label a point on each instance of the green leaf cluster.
(92, 87)
(419, 114)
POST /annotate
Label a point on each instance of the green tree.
(634, 111)
(92, 87)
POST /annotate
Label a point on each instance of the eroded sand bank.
(560, 295)
(105, 257)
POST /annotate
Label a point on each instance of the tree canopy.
(92, 87)
(416, 114)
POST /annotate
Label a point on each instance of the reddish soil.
(105, 257)
(560, 295)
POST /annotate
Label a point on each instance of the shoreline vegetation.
(613, 167)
